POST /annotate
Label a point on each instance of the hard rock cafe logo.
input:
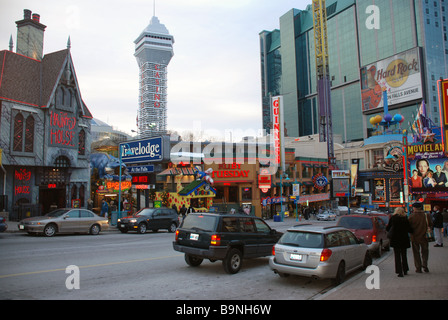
(397, 72)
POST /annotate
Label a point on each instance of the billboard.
(400, 75)
(428, 168)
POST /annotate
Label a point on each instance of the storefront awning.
(178, 172)
(198, 189)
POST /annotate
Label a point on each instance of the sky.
(214, 82)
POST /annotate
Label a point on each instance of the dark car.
(3, 225)
(370, 228)
(225, 237)
(150, 219)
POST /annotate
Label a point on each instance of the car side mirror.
(360, 240)
(273, 231)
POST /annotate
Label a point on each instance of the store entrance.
(51, 198)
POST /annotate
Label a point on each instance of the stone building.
(44, 127)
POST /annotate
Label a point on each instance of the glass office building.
(398, 44)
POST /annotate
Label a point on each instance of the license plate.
(295, 257)
(194, 236)
(122, 226)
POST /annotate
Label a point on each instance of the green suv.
(225, 237)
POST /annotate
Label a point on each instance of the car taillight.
(273, 250)
(325, 255)
(374, 238)
(216, 240)
(177, 235)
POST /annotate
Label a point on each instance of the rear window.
(302, 239)
(200, 222)
(357, 223)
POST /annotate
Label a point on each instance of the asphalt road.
(132, 267)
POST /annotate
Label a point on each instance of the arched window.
(82, 142)
(60, 97)
(62, 162)
(29, 134)
(18, 133)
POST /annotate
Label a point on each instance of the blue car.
(3, 225)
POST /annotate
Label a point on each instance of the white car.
(326, 216)
(319, 252)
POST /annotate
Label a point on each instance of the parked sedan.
(69, 220)
(369, 228)
(319, 252)
(326, 216)
(150, 218)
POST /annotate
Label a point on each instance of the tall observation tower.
(153, 51)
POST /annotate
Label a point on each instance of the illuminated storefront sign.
(230, 171)
(276, 103)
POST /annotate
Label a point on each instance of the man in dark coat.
(419, 222)
(398, 232)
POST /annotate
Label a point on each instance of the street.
(133, 266)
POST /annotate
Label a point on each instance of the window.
(247, 225)
(82, 143)
(73, 214)
(62, 162)
(18, 133)
(229, 225)
(23, 136)
(86, 214)
(29, 134)
(262, 227)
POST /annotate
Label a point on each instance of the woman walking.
(398, 232)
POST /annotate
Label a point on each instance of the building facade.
(363, 36)
(44, 128)
(153, 51)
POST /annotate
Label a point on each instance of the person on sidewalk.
(438, 225)
(419, 222)
(398, 232)
(445, 222)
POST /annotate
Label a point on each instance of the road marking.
(84, 267)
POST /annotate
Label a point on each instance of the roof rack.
(303, 224)
(330, 227)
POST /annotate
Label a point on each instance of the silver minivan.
(319, 252)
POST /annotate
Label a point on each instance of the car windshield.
(357, 223)
(144, 212)
(302, 239)
(200, 222)
(57, 213)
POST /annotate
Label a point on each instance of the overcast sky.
(213, 78)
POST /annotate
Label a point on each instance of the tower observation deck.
(153, 51)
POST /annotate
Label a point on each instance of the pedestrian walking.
(438, 225)
(419, 222)
(183, 211)
(398, 232)
(445, 222)
(104, 208)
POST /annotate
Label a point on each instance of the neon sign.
(62, 129)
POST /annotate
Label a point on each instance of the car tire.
(172, 228)
(193, 261)
(141, 228)
(340, 274)
(95, 230)
(367, 260)
(233, 261)
(50, 230)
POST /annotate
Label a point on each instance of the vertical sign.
(277, 120)
(443, 100)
